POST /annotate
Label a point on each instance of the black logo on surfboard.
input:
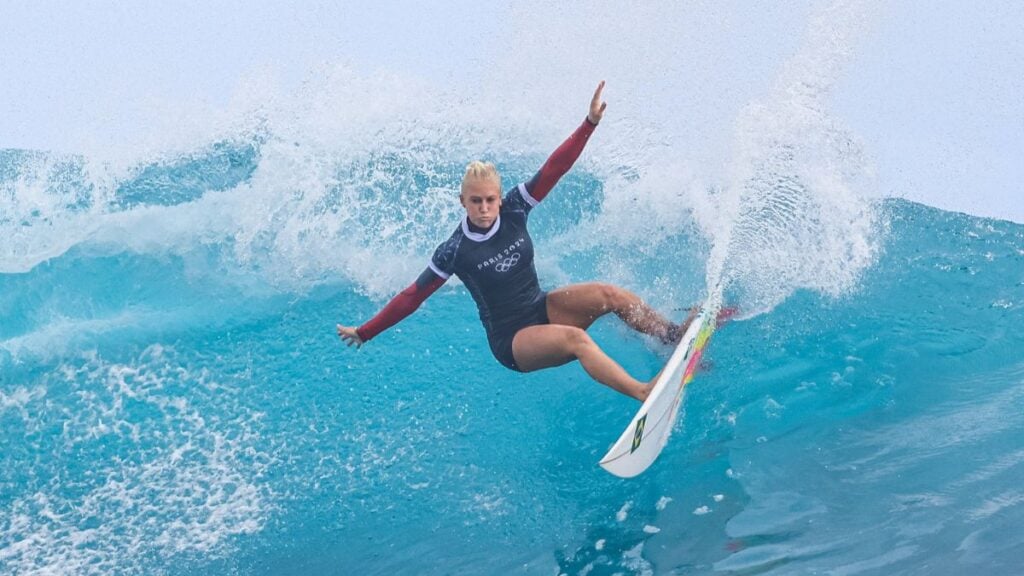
(638, 434)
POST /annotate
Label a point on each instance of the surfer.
(492, 253)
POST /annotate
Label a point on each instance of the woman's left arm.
(562, 159)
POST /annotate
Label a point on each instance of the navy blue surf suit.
(495, 264)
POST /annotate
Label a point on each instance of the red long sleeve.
(560, 161)
(403, 304)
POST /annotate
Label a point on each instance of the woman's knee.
(616, 298)
(578, 340)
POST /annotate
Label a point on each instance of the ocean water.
(174, 399)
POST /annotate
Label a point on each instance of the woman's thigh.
(580, 304)
(546, 346)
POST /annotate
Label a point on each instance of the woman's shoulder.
(454, 239)
(446, 251)
(518, 199)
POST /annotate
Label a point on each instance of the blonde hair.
(477, 170)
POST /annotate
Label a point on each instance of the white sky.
(935, 91)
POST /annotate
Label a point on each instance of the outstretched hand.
(597, 106)
(349, 335)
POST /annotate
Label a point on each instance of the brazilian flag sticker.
(638, 434)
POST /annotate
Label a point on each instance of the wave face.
(173, 398)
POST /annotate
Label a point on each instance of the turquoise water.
(173, 399)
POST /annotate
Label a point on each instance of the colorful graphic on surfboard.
(649, 430)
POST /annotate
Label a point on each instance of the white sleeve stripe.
(437, 270)
(526, 196)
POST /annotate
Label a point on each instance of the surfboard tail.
(642, 441)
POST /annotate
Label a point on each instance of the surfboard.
(642, 441)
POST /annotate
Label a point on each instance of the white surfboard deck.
(649, 430)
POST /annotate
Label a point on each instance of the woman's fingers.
(349, 336)
(596, 105)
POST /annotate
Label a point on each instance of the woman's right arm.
(403, 304)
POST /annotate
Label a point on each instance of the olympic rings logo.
(507, 263)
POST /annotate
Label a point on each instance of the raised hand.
(597, 106)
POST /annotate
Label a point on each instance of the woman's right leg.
(549, 345)
(580, 304)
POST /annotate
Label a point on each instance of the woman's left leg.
(547, 345)
(580, 304)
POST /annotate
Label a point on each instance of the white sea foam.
(633, 560)
(20, 397)
(796, 210)
(63, 334)
(334, 191)
(623, 512)
(354, 178)
(145, 473)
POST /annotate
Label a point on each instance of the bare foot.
(725, 314)
(644, 392)
(676, 331)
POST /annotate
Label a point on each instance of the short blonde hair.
(477, 170)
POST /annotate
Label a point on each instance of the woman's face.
(482, 200)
